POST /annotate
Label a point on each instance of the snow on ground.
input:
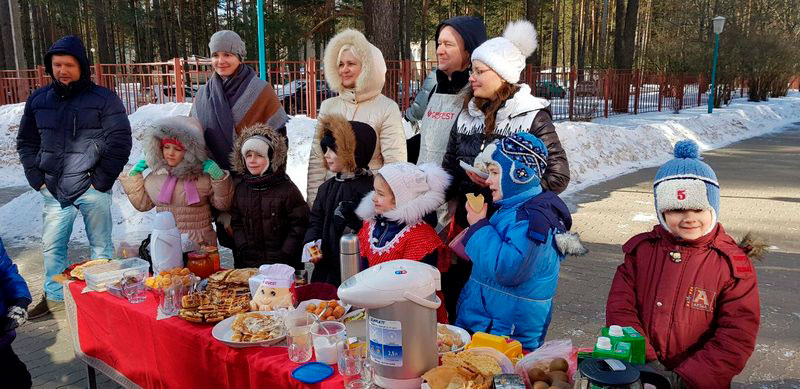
(607, 148)
(596, 151)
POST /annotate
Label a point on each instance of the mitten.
(138, 168)
(16, 316)
(212, 169)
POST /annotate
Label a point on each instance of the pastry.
(475, 202)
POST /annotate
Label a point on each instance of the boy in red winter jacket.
(686, 285)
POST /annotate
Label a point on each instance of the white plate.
(462, 333)
(223, 333)
(302, 306)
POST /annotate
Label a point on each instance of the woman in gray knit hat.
(233, 98)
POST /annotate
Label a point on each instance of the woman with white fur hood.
(356, 70)
(392, 213)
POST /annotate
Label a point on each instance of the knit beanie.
(228, 41)
(471, 29)
(522, 159)
(506, 54)
(686, 182)
(418, 190)
(260, 145)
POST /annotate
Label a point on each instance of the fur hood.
(355, 141)
(424, 200)
(189, 132)
(276, 141)
(373, 67)
(521, 103)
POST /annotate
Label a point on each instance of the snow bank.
(597, 152)
(607, 148)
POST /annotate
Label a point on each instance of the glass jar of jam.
(200, 263)
(213, 253)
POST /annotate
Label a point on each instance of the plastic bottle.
(603, 348)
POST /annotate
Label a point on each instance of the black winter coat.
(71, 137)
(269, 222)
(466, 147)
(333, 211)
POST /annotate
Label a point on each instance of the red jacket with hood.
(696, 302)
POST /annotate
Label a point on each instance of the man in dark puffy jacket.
(74, 139)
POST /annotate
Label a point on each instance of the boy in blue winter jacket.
(14, 300)
(516, 254)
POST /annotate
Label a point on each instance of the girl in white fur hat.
(392, 213)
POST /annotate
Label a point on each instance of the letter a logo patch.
(701, 299)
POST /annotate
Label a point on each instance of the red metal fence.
(574, 94)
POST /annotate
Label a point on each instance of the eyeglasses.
(478, 72)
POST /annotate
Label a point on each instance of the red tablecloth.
(173, 353)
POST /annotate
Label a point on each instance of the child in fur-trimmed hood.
(347, 148)
(269, 215)
(182, 181)
(393, 226)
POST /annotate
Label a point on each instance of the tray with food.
(250, 329)
(99, 277)
(76, 270)
(325, 310)
(451, 338)
(466, 369)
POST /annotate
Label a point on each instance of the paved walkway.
(760, 186)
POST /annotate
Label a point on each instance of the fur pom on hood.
(186, 130)
(754, 245)
(418, 190)
(276, 141)
(373, 67)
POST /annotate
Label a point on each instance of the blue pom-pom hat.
(686, 182)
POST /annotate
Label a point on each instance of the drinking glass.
(133, 286)
(351, 363)
(298, 335)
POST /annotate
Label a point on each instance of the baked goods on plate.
(466, 369)
(250, 329)
(451, 338)
(325, 310)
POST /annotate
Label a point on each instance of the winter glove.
(344, 216)
(138, 168)
(307, 255)
(16, 317)
(212, 169)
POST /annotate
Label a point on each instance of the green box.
(634, 339)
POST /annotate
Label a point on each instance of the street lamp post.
(719, 23)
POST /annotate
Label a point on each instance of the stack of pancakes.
(226, 295)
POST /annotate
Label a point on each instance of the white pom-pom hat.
(506, 54)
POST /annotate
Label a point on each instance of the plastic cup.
(326, 335)
(298, 335)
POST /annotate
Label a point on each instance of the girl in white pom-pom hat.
(497, 106)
